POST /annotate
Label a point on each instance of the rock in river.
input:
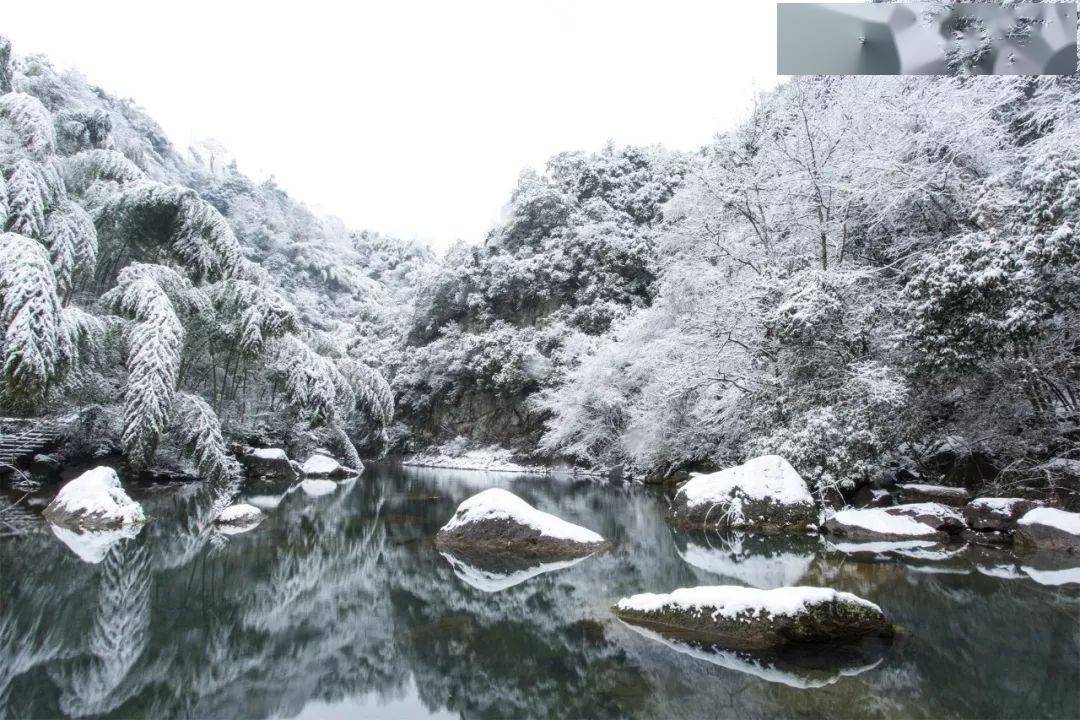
(883, 524)
(497, 522)
(239, 518)
(750, 619)
(95, 499)
(991, 513)
(764, 494)
(268, 462)
(1049, 529)
(327, 467)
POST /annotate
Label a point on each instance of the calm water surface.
(338, 606)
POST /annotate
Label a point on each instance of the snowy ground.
(492, 459)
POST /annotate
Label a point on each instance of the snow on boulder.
(764, 494)
(995, 513)
(95, 499)
(238, 518)
(496, 523)
(93, 545)
(268, 462)
(940, 517)
(325, 466)
(1045, 528)
(920, 492)
(744, 618)
(878, 524)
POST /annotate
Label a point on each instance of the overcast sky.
(415, 117)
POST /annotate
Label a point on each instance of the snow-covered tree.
(31, 121)
(29, 318)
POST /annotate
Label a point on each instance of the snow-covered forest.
(865, 275)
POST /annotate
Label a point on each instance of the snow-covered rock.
(764, 494)
(497, 522)
(1045, 528)
(325, 466)
(95, 499)
(879, 524)
(752, 619)
(940, 517)
(921, 492)
(994, 513)
(239, 518)
(268, 462)
(93, 545)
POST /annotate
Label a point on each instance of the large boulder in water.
(270, 463)
(95, 499)
(764, 494)
(994, 513)
(324, 466)
(1047, 528)
(751, 619)
(496, 523)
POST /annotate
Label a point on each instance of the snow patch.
(269, 454)
(878, 521)
(499, 504)
(731, 601)
(1068, 522)
(455, 456)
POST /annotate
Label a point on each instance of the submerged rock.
(496, 523)
(750, 619)
(1049, 529)
(997, 513)
(881, 524)
(327, 467)
(95, 499)
(764, 494)
(945, 494)
(271, 463)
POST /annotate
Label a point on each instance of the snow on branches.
(31, 122)
(261, 313)
(90, 166)
(200, 433)
(72, 242)
(155, 342)
(29, 317)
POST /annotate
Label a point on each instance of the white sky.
(407, 116)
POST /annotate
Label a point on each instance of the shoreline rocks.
(751, 619)
(497, 523)
(765, 494)
(270, 463)
(1045, 528)
(324, 466)
(999, 514)
(892, 523)
(944, 494)
(94, 500)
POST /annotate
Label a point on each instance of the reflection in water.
(340, 604)
(500, 577)
(797, 670)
